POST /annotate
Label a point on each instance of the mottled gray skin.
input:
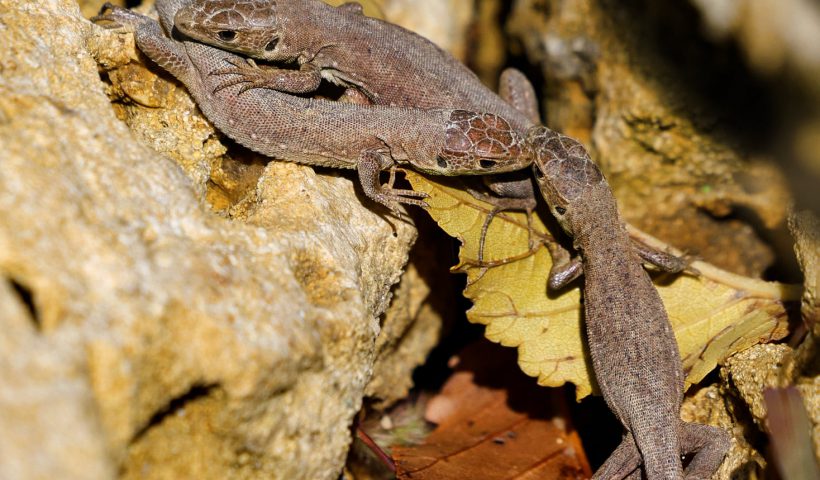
(317, 132)
(634, 353)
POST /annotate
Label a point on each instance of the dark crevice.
(194, 393)
(784, 267)
(27, 299)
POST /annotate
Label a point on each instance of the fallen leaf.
(494, 423)
(713, 316)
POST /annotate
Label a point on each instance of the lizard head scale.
(566, 175)
(243, 26)
(478, 143)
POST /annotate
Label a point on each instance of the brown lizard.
(262, 118)
(326, 133)
(386, 63)
(382, 62)
(634, 353)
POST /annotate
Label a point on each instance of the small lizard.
(380, 63)
(634, 353)
(264, 123)
(326, 133)
(386, 63)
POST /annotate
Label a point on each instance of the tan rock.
(709, 406)
(166, 340)
(444, 22)
(620, 78)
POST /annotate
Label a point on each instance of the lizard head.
(250, 27)
(480, 143)
(564, 172)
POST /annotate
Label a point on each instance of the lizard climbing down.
(380, 63)
(635, 357)
(326, 133)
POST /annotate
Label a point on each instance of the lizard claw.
(392, 198)
(237, 67)
(249, 73)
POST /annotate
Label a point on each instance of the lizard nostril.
(226, 35)
(271, 45)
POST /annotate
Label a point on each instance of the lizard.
(385, 63)
(192, 63)
(379, 62)
(635, 357)
(317, 132)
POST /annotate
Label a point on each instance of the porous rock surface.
(168, 310)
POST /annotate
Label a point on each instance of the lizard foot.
(502, 204)
(115, 17)
(250, 75)
(391, 198)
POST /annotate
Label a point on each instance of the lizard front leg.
(513, 195)
(371, 163)
(149, 38)
(515, 89)
(251, 75)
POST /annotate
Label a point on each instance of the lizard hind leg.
(708, 444)
(623, 463)
(662, 260)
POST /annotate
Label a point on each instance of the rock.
(201, 314)
(630, 81)
(751, 371)
(708, 405)
(444, 22)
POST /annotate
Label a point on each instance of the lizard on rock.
(327, 133)
(379, 63)
(634, 353)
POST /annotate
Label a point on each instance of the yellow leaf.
(713, 316)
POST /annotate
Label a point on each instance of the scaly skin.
(380, 63)
(317, 132)
(634, 353)
(385, 62)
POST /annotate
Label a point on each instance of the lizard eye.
(560, 210)
(226, 35)
(442, 163)
(484, 163)
(271, 45)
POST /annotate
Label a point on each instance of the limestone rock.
(201, 314)
(709, 406)
(630, 82)
(444, 22)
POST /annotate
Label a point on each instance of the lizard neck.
(596, 222)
